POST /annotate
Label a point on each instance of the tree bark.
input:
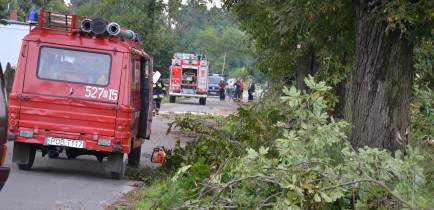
(341, 93)
(381, 82)
(306, 64)
(9, 75)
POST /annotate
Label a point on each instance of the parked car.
(213, 84)
(4, 171)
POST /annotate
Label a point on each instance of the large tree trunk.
(306, 64)
(381, 83)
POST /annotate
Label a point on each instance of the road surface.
(82, 183)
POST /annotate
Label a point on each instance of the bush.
(422, 120)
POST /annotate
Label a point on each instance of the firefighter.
(237, 85)
(251, 90)
(158, 89)
(222, 86)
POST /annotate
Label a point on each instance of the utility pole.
(224, 61)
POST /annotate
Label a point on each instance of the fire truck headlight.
(26, 133)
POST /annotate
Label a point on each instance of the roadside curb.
(194, 113)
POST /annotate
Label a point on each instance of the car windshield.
(74, 66)
(214, 80)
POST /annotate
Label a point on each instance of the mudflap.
(116, 165)
(21, 153)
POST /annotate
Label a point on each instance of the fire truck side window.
(135, 70)
(145, 68)
(74, 66)
(144, 74)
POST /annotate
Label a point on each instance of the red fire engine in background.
(189, 77)
(82, 87)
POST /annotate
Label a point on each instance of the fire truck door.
(145, 98)
(203, 76)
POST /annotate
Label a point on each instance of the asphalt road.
(82, 183)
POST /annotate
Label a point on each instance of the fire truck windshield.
(74, 66)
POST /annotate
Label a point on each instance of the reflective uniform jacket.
(158, 89)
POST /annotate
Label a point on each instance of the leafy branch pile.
(309, 164)
(422, 117)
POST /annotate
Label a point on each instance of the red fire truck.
(83, 87)
(189, 77)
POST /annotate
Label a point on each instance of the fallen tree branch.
(376, 182)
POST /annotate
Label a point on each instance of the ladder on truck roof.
(75, 23)
(190, 58)
(59, 21)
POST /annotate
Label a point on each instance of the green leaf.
(398, 154)
(317, 198)
(251, 153)
(290, 196)
(336, 195)
(326, 197)
(263, 151)
(309, 81)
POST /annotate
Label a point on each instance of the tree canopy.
(175, 27)
(24, 6)
(291, 39)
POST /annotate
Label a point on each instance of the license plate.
(64, 142)
(214, 93)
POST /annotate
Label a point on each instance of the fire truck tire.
(31, 154)
(53, 154)
(134, 156)
(172, 99)
(202, 101)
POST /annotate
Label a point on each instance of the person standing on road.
(227, 91)
(241, 89)
(237, 90)
(222, 86)
(251, 90)
(158, 89)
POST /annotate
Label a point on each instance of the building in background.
(11, 37)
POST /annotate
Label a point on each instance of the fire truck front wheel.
(202, 101)
(172, 99)
(24, 155)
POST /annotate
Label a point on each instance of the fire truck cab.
(189, 77)
(82, 87)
